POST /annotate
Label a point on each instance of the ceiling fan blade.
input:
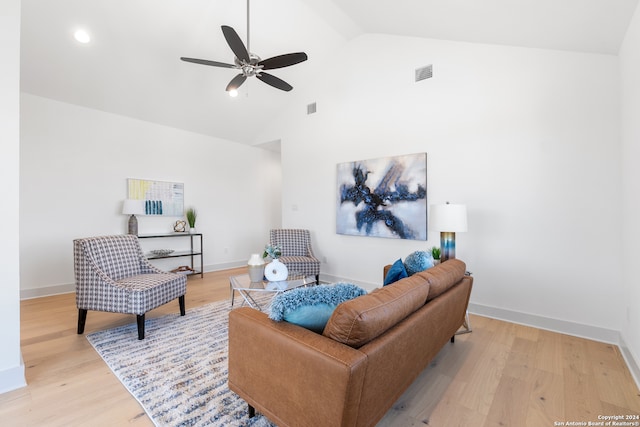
(207, 62)
(236, 82)
(274, 81)
(234, 42)
(281, 61)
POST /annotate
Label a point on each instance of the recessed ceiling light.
(82, 36)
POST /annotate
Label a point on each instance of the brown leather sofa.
(370, 352)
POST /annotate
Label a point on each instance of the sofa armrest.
(292, 375)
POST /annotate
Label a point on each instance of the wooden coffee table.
(245, 287)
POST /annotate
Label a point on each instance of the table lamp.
(448, 219)
(133, 207)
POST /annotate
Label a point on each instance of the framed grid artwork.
(157, 197)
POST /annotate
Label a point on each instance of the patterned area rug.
(178, 373)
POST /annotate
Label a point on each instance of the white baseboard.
(632, 361)
(224, 266)
(555, 325)
(47, 291)
(12, 378)
(328, 278)
(562, 326)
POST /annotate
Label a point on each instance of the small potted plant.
(272, 251)
(435, 253)
(191, 219)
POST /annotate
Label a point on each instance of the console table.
(195, 251)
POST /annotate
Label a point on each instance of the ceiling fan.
(250, 64)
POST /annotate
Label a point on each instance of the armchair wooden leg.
(140, 326)
(82, 319)
(181, 302)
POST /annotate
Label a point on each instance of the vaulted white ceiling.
(131, 67)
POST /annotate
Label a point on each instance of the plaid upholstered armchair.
(297, 254)
(112, 274)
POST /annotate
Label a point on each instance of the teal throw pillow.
(312, 306)
(418, 261)
(395, 273)
(313, 317)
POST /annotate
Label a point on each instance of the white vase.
(256, 268)
(192, 230)
(276, 271)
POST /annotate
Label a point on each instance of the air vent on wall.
(311, 108)
(424, 73)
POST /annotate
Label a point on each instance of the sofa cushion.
(311, 307)
(444, 276)
(395, 273)
(360, 320)
(418, 261)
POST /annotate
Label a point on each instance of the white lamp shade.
(133, 207)
(449, 217)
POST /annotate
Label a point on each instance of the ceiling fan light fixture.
(82, 36)
(233, 92)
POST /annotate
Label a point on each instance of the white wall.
(529, 139)
(630, 72)
(74, 166)
(11, 366)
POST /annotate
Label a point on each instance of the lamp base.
(133, 225)
(447, 245)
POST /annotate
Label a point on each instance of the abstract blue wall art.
(384, 197)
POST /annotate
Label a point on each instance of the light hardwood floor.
(501, 374)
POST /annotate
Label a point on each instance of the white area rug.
(178, 373)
